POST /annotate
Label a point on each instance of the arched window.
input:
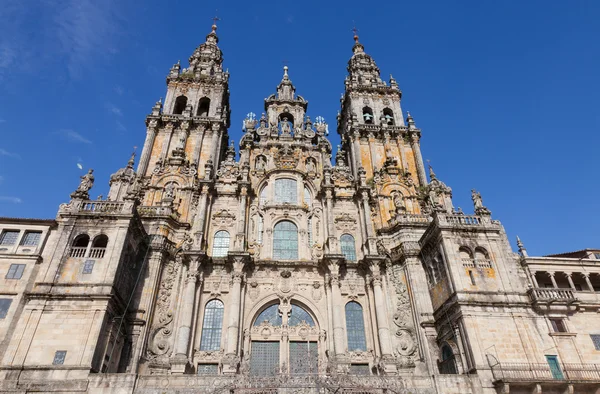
(259, 229)
(348, 248)
(285, 241)
(220, 244)
(307, 198)
(355, 327)
(203, 106)
(482, 259)
(448, 363)
(270, 315)
(263, 196)
(180, 104)
(80, 244)
(286, 191)
(212, 326)
(367, 115)
(466, 257)
(388, 114)
(99, 247)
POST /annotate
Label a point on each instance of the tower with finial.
(374, 135)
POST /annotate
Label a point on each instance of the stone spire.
(522, 249)
(362, 70)
(286, 90)
(207, 60)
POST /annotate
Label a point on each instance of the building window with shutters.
(15, 271)
(31, 238)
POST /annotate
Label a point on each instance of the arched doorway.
(284, 338)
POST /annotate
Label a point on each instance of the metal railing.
(540, 372)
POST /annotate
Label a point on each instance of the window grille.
(286, 191)
(59, 357)
(264, 358)
(271, 315)
(4, 306)
(348, 248)
(303, 358)
(355, 327)
(285, 241)
(307, 198)
(298, 316)
(9, 237)
(212, 326)
(15, 271)
(263, 196)
(31, 238)
(359, 369)
(220, 244)
(207, 369)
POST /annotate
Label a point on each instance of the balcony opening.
(367, 115)
(180, 104)
(99, 247)
(203, 106)
(79, 246)
(447, 365)
(558, 325)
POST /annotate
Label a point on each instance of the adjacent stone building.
(268, 268)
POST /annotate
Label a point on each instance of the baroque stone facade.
(269, 269)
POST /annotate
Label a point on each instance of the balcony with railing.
(553, 298)
(78, 251)
(97, 253)
(543, 372)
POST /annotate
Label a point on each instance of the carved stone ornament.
(253, 290)
(162, 330)
(345, 222)
(223, 217)
(286, 157)
(316, 292)
(183, 167)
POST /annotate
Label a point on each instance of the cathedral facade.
(269, 269)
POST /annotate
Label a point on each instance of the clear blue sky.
(505, 92)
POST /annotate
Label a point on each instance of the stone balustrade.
(540, 372)
(551, 294)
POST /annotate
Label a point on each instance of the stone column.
(371, 238)
(356, 148)
(241, 222)
(414, 144)
(166, 142)
(180, 359)
(586, 275)
(570, 279)
(551, 275)
(147, 150)
(332, 243)
(387, 363)
(198, 147)
(534, 280)
(198, 225)
(338, 318)
(233, 321)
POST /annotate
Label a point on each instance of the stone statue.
(261, 163)
(477, 201)
(87, 181)
(398, 203)
(285, 126)
(169, 191)
(310, 166)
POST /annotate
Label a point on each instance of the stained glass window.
(88, 267)
(355, 327)
(348, 249)
(286, 191)
(264, 358)
(31, 238)
(271, 315)
(307, 199)
(212, 326)
(285, 241)
(299, 315)
(303, 357)
(220, 244)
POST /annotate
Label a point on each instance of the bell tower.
(378, 141)
(187, 133)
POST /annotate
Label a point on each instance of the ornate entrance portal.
(284, 339)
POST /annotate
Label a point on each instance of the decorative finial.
(179, 62)
(285, 71)
(431, 173)
(215, 19)
(131, 161)
(355, 31)
(522, 250)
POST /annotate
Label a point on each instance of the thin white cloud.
(72, 136)
(114, 109)
(4, 152)
(2, 120)
(119, 90)
(13, 200)
(121, 126)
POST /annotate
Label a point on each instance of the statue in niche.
(261, 163)
(398, 203)
(169, 191)
(286, 129)
(310, 165)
